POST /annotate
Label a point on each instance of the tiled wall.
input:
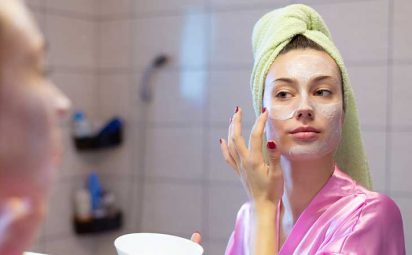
(71, 31)
(169, 176)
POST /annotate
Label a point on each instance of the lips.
(304, 129)
(305, 133)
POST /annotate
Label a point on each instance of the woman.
(30, 111)
(311, 197)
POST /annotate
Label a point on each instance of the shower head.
(146, 90)
(160, 61)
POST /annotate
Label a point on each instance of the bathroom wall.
(71, 31)
(169, 176)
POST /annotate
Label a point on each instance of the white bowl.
(155, 244)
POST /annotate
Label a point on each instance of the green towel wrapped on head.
(270, 35)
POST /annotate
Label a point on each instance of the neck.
(302, 181)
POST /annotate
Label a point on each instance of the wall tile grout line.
(211, 68)
(402, 194)
(206, 131)
(389, 86)
(219, 9)
(142, 129)
(71, 14)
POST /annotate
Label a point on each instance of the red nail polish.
(264, 109)
(220, 141)
(237, 109)
(271, 145)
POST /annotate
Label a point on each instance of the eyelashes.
(319, 92)
(283, 94)
(323, 92)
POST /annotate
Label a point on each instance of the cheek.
(41, 125)
(274, 129)
(279, 111)
(333, 115)
(274, 124)
(26, 132)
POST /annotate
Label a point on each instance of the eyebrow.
(316, 79)
(324, 77)
(287, 80)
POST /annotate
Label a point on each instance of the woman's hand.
(263, 182)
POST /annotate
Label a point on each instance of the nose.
(305, 114)
(305, 111)
(62, 103)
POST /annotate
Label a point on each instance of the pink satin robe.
(343, 218)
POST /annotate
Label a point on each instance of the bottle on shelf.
(81, 125)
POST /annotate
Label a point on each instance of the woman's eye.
(283, 94)
(323, 92)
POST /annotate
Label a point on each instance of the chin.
(302, 156)
(303, 152)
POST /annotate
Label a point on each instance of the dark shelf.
(99, 141)
(99, 225)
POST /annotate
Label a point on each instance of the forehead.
(18, 26)
(303, 64)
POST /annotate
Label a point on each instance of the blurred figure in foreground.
(30, 111)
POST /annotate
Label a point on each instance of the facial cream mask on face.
(282, 112)
(332, 114)
(285, 111)
(326, 112)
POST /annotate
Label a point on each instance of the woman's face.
(303, 95)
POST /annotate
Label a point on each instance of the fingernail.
(264, 109)
(237, 109)
(230, 120)
(271, 145)
(220, 140)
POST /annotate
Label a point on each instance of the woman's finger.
(226, 155)
(237, 137)
(273, 157)
(275, 174)
(196, 237)
(231, 145)
(256, 136)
